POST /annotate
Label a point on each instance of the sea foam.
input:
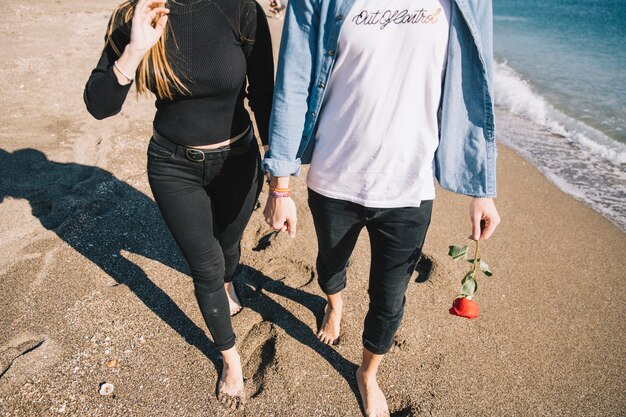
(578, 159)
(515, 94)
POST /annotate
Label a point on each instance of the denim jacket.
(465, 161)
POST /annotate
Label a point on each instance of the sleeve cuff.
(281, 168)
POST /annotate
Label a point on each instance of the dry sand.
(88, 274)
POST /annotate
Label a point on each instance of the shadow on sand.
(100, 217)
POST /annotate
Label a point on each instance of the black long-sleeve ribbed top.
(213, 46)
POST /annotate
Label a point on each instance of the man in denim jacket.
(381, 97)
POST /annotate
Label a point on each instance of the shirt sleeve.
(294, 76)
(103, 95)
(257, 46)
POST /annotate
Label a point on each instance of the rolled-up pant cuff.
(334, 284)
(334, 289)
(376, 349)
(227, 345)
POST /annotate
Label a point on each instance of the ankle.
(368, 376)
(335, 302)
(231, 358)
(335, 307)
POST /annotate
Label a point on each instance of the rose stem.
(476, 261)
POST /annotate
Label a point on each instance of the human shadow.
(101, 217)
(254, 285)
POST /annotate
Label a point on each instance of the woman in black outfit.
(203, 158)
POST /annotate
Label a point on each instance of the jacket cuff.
(281, 168)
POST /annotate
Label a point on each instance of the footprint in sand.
(295, 274)
(258, 354)
(10, 352)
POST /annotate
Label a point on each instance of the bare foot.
(231, 391)
(331, 325)
(233, 300)
(374, 401)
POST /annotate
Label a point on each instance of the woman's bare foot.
(231, 391)
(233, 300)
(374, 401)
(331, 324)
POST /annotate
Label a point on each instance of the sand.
(93, 289)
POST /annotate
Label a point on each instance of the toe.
(240, 405)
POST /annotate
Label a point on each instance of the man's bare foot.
(374, 401)
(233, 300)
(231, 391)
(331, 324)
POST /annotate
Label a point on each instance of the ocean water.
(562, 66)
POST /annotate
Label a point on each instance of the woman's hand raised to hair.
(148, 25)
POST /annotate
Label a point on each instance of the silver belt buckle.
(194, 155)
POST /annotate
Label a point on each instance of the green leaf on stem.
(458, 252)
(467, 276)
(485, 268)
(469, 286)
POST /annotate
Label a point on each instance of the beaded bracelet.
(279, 189)
(279, 194)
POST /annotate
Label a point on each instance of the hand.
(148, 24)
(484, 217)
(275, 7)
(281, 214)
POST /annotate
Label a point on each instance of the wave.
(578, 159)
(515, 94)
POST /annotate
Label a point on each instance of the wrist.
(279, 196)
(278, 182)
(134, 54)
(279, 192)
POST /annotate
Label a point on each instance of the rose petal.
(464, 307)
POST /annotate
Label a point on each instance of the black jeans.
(206, 206)
(396, 239)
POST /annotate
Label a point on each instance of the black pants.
(396, 239)
(206, 206)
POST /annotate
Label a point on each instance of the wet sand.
(89, 274)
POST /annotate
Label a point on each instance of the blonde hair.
(155, 60)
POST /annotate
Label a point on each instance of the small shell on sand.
(112, 363)
(106, 388)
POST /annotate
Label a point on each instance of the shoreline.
(578, 159)
(520, 126)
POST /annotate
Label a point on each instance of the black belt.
(241, 146)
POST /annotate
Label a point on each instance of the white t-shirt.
(377, 130)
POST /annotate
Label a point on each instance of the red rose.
(464, 307)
